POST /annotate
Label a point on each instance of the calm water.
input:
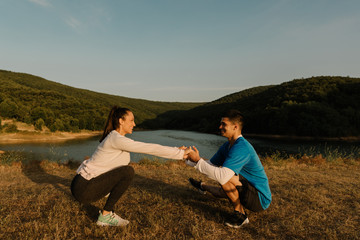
(207, 144)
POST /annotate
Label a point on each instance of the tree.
(8, 108)
(38, 112)
(59, 125)
(39, 124)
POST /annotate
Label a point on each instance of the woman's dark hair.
(112, 122)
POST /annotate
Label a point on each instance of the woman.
(107, 171)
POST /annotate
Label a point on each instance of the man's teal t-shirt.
(243, 159)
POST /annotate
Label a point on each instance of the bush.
(39, 124)
(10, 128)
(9, 157)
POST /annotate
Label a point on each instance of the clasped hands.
(191, 153)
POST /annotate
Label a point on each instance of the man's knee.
(229, 188)
(235, 180)
(232, 183)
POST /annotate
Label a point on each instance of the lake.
(207, 144)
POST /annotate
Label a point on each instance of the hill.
(319, 106)
(41, 102)
(322, 106)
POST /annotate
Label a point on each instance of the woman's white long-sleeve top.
(114, 151)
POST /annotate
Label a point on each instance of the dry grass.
(38, 137)
(312, 199)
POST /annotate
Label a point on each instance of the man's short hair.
(235, 116)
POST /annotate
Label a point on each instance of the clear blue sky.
(184, 50)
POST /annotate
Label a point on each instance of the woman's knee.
(130, 171)
(124, 172)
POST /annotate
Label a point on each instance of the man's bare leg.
(233, 194)
(228, 190)
(214, 190)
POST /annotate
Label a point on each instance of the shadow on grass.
(37, 174)
(175, 193)
(212, 208)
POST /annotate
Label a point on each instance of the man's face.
(227, 128)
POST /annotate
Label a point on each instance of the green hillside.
(35, 100)
(319, 106)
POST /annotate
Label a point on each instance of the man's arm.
(221, 175)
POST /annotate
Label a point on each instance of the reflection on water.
(207, 144)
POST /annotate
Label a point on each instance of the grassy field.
(312, 199)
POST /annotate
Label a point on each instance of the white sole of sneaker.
(237, 226)
(102, 224)
(201, 191)
(106, 224)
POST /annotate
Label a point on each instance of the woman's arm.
(129, 145)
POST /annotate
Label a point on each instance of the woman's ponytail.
(112, 122)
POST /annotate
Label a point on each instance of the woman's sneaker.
(237, 220)
(197, 185)
(111, 219)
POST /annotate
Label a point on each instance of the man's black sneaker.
(197, 185)
(237, 220)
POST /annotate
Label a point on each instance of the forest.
(323, 106)
(41, 102)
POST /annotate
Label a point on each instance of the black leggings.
(114, 182)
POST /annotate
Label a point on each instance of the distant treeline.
(40, 102)
(318, 106)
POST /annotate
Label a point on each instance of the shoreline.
(39, 137)
(31, 137)
(349, 139)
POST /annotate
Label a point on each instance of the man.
(237, 168)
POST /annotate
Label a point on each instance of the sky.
(179, 50)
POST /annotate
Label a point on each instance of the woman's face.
(127, 124)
